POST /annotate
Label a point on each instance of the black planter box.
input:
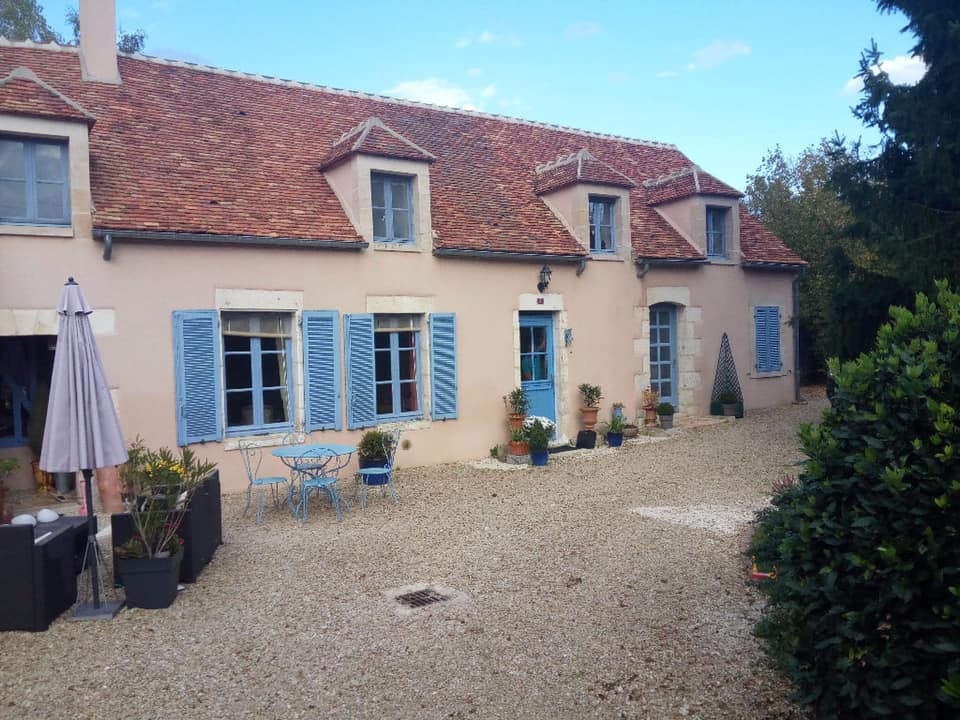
(39, 580)
(151, 583)
(202, 530)
(586, 439)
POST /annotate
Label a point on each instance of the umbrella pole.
(96, 610)
(92, 550)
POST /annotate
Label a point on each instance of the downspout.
(796, 338)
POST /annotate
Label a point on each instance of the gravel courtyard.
(607, 585)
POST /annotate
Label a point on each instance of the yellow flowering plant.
(157, 487)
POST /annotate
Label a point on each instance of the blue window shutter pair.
(767, 328)
(361, 385)
(321, 370)
(443, 365)
(196, 342)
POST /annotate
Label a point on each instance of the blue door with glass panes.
(536, 363)
(663, 351)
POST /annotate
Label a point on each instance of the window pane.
(381, 340)
(408, 364)
(655, 353)
(379, 223)
(377, 193)
(666, 389)
(270, 344)
(539, 367)
(399, 190)
(526, 340)
(11, 159)
(13, 198)
(401, 225)
(239, 408)
(270, 366)
(237, 374)
(654, 372)
(539, 339)
(593, 237)
(665, 335)
(606, 213)
(384, 399)
(606, 238)
(665, 353)
(406, 339)
(382, 361)
(526, 367)
(236, 342)
(274, 411)
(50, 201)
(408, 397)
(49, 162)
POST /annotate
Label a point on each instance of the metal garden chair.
(324, 477)
(252, 458)
(380, 477)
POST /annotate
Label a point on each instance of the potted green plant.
(615, 430)
(518, 441)
(157, 487)
(665, 412)
(539, 431)
(517, 402)
(370, 449)
(728, 400)
(591, 395)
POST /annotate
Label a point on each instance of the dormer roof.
(23, 93)
(578, 167)
(373, 137)
(686, 182)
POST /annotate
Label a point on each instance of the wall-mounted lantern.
(545, 274)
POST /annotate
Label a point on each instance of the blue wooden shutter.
(196, 343)
(361, 384)
(443, 365)
(321, 369)
(767, 329)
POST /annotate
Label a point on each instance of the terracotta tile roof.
(759, 245)
(23, 93)
(578, 167)
(180, 148)
(372, 137)
(685, 183)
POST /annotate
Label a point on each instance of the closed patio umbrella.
(82, 431)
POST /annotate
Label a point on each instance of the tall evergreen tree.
(905, 199)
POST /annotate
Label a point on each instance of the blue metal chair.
(252, 457)
(323, 475)
(380, 477)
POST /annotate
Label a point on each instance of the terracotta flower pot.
(519, 447)
(515, 421)
(588, 416)
(649, 414)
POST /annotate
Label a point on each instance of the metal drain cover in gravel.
(421, 598)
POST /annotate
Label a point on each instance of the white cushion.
(24, 520)
(46, 515)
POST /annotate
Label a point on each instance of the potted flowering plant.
(539, 431)
(157, 487)
(517, 402)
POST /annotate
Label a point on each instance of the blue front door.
(536, 363)
(663, 352)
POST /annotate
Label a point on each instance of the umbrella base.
(87, 611)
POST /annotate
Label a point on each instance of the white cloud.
(486, 37)
(489, 91)
(584, 29)
(433, 91)
(474, 72)
(617, 76)
(719, 52)
(902, 70)
(667, 74)
(691, 67)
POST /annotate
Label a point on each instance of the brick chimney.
(98, 41)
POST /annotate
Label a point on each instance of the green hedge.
(864, 615)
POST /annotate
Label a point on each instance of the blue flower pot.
(614, 439)
(538, 457)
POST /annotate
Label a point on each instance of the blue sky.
(724, 80)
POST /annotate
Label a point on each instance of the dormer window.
(34, 186)
(602, 223)
(391, 198)
(716, 231)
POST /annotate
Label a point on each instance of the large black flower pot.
(150, 582)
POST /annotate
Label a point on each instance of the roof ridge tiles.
(357, 93)
(675, 175)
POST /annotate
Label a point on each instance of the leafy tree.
(864, 615)
(23, 20)
(905, 198)
(127, 42)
